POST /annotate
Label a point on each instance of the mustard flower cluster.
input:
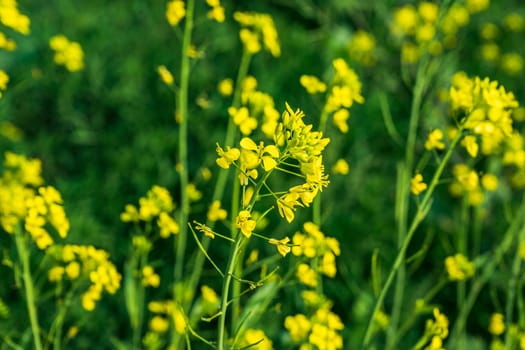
(497, 328)
(78, 262)
(319, 331)
(419, 30)
(255, 105)
(510, 62)
(258, 30)
(164, 313)
(217, 11)
(11, 17)
(175, 12)
(343, 90)
(67, 53)
(436, 331)
(25, 203)
(255, 339)
(361, 48)
(156, 205)
(488, 111)
(293, 139)
(459, 268)
(469, 184)
(305, 146)
(318, 250)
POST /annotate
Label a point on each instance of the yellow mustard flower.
(341, 167)
(159, 324)
(165, 75)
(175, 12)
(245, 223)
(149, 277)
(435, 140)
(417, 185)
(312, 84)
(514, 22)
(298, 326)
(459, 268)
(497, 324)
(215, 212)
(225, 87)
(282, 245)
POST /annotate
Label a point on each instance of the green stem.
(316, 209)
(236, 286)
(513, 285)
(225, 292)
(222, 177)
(488, 271)
(404, 196)
(23, 253)
(462, 233)
(418, 217)
(182, 111)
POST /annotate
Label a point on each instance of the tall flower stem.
(403, 192)
(316, 210)
(182, 113)
(23, 253)
(420, 214)
(491, 262)
(225, 292)
(222, 177)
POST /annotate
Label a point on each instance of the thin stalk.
(222, 177)
(316, 209)
(404, 196)
(225, 292)
(513, 285)
(418, 217)
(461, 290)
(23, 253)
(486, 274)
(236, 286)
(182, 111)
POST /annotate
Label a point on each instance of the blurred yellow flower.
(417, 185)
(165, 75)
(175, 12)
(341, 167)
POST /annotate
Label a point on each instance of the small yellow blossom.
(298, 326)
(167, 225)
(306, 275)
(471, 145)
(206, 230)
(489, 182)
(158, 324)
(245, 223)
(341, 167)
(67, 53)
(215, 212)
(226, 158)
(512, 63)
(435, 140)
(514, 22)
(459, 268)
(175, 12)
(165, 75)
(193, 193)
(340, 119)
(149, 277)
(496, 324)
(417, 185)
(312, 84)
(225, 87)
(282, 245)
(256, 336)
(474, 6)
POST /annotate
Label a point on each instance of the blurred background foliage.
(108, 133)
